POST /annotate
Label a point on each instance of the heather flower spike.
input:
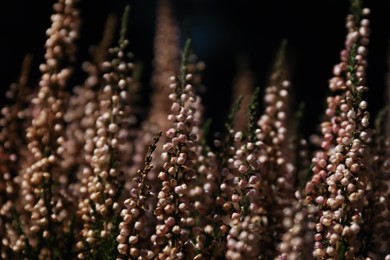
(13, 151)
(166, 61)
(43, 183)
(88, 172)
(342, 175)
(173, 210)
(105, 183)
(133, 228)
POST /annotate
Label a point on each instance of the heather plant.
(90, 173)
(342, 179)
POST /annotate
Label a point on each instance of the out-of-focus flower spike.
(243, 85)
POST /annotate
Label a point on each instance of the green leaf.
(233, 111)
(124, 21)
(253, 114)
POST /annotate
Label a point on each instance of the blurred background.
(221, 32)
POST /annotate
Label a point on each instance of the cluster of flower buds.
(46, 133)
(105, 182)
(173, 210)
(12, 158)
(341, 172)
(134, 230)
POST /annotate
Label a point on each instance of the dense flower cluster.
(342, 179)
(84, 175)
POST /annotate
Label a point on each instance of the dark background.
(220, 30)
